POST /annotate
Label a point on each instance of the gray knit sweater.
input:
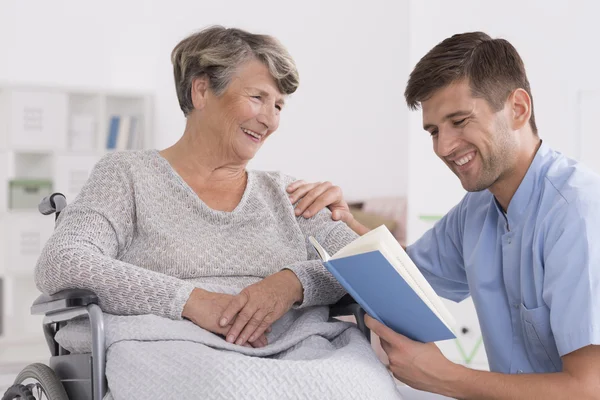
(141, 238)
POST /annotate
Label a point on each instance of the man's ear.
(200, 86)
(520, 108)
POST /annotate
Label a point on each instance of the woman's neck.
(202, 161)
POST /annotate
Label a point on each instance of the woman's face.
(242, 118)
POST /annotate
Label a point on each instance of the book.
(376, 271)
(113, 132)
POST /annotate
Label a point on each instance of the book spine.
(112, 133)
(331, 268)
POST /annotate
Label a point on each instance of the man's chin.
(473, 186)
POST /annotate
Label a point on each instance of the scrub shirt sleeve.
(438, 254)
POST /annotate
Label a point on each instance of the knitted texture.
(141, 239)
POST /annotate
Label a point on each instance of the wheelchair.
(81, 376)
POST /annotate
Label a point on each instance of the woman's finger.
(264, 326)
(241, 320)
(260, 342)
(234, 307)
(254, 328)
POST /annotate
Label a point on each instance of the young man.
(523, 242)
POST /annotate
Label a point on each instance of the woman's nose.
(269, 117)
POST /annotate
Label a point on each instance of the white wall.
(558, 41)
(347, 122)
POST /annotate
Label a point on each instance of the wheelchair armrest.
(348, 306)
(63, 300)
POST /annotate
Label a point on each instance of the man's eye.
(256, 97)
(433, 133)
(459, 123)
(278, 107)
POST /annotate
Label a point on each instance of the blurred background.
(81, 78)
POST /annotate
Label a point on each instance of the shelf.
(54, 134)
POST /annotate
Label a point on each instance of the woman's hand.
(259, 305)
(204, 308)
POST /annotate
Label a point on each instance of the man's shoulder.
(572, 183)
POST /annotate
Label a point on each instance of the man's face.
(475, 142)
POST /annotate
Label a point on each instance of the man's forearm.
(472, 384)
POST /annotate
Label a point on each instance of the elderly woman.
(201, 265)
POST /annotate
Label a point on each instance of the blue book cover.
(384, 294)
(113, 133)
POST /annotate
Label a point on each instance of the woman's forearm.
(77, 256)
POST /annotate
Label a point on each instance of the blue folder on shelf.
(379, 275)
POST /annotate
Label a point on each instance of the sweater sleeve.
(320, 287)
(91, 235)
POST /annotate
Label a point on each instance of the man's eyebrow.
(459, 113)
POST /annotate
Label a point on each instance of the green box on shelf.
(27, 193)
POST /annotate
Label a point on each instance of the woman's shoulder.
(273, 178)
(126, 162)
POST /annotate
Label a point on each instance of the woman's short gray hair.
(216, 52)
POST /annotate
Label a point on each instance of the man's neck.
(505, 188)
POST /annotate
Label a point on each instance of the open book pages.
(382, 240)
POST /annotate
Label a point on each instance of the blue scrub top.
(533, 272)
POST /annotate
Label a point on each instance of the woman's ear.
(199, 92)
(520, 104)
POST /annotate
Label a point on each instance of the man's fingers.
(234, 307)
(331, 196)
(340, 215)
(300, 193)
(254, 328)
(313, 201)
(295, 185)
(387, 335)
(384, 333)
(385, 346)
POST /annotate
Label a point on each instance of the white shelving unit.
(50, 139)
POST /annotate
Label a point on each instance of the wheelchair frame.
(83, 375)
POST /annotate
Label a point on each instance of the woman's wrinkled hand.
(205, 308)
(259, 305)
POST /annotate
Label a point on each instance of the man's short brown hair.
(492, 67)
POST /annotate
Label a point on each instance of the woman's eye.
(433, 133)
(459, 123)
(278, 107)
(256, 97)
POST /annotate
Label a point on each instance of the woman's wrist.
(295, 285)
(196, 295)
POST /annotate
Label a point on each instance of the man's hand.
(259, 305)
(204, 308)
(316, 196)
(419, 365)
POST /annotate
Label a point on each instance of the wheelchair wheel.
(42, 383)
(19, 392)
